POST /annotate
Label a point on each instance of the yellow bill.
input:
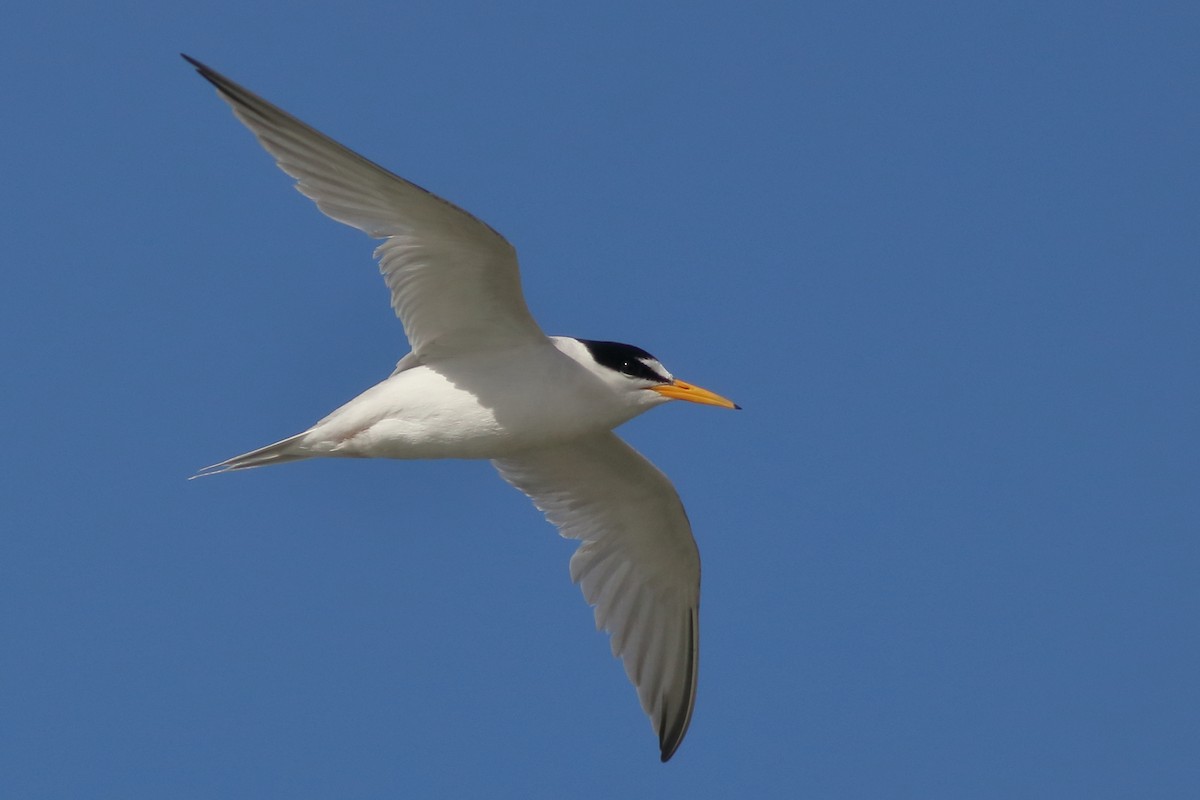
(681, 390)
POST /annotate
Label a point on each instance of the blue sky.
(946, 257)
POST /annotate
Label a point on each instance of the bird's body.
(483, 382)
(468, 406)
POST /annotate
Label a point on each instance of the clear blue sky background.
(946, 255)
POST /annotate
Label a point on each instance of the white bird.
(484, 381)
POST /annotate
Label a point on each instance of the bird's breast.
(481, 406)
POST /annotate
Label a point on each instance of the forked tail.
(290, 449)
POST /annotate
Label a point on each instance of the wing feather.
(454, 281)
(637, 563)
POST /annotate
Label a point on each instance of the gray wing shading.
(637, 563)
(455, 282)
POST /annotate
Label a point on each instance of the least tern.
(483, 381)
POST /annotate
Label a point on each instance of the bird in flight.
(483, 381)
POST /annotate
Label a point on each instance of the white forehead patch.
(657, 368)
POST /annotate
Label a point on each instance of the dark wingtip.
(204, 70)
(669, 738)
(667, 747)
(192, 61)
(669, 742)
(736, 407)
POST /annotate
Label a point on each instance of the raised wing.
(637, 564)
(454, 281)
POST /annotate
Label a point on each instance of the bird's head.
(633, 372)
